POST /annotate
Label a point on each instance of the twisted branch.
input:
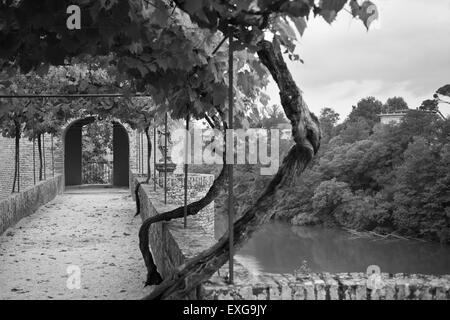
(306, 133)
(218, 187)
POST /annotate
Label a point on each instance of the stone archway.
(72, 138)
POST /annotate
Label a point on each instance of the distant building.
(285, 125)
(393, 117)
(285, 130)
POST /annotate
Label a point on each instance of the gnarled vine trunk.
(39, 140)
(149, 174)
(149, 154)
(218, 186)
(306, 133)
(16, 159)
(138, 200)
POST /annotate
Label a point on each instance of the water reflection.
(281, 248)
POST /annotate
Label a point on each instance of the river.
(281, 248)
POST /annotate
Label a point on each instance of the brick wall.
(54, 163)
(137, 161)
(29, 169)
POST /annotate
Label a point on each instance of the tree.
(328, 196)
(328, 119)
(417, 123)
(430, 105)
(97, 144)
(11, 126)
(275, 117)
(394, 180)
(301, 119)
(31, 118)
(444, 90)
(395, 104)
(421, 194)
(355, 130)
(440, 96)
(368, 108)
(362, 212)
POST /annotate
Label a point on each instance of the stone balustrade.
(326, 286)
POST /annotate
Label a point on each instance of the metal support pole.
(18, 167)
(142, 153)
(138, 153)
(53, 159)
(154, 157)
(230, 165)
(186, 167)
(165, 159)
(34, 162)
(219, 45)
(43, 152)
(73, 96)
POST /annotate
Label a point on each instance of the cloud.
(408, 55)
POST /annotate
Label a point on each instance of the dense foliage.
(97, 146)
(386, 178)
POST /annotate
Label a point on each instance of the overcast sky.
(407, 54)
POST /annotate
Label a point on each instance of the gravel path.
(93, 230)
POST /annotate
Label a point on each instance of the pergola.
(230, 173)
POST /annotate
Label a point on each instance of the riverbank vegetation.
(368, 177)
(380, 178)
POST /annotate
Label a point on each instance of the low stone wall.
(197, 185)
(325, 286)
(172, 245)
(22, 204)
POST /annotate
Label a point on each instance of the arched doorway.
(73, 143)
(121, 155)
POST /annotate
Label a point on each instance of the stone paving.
(91, 229)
